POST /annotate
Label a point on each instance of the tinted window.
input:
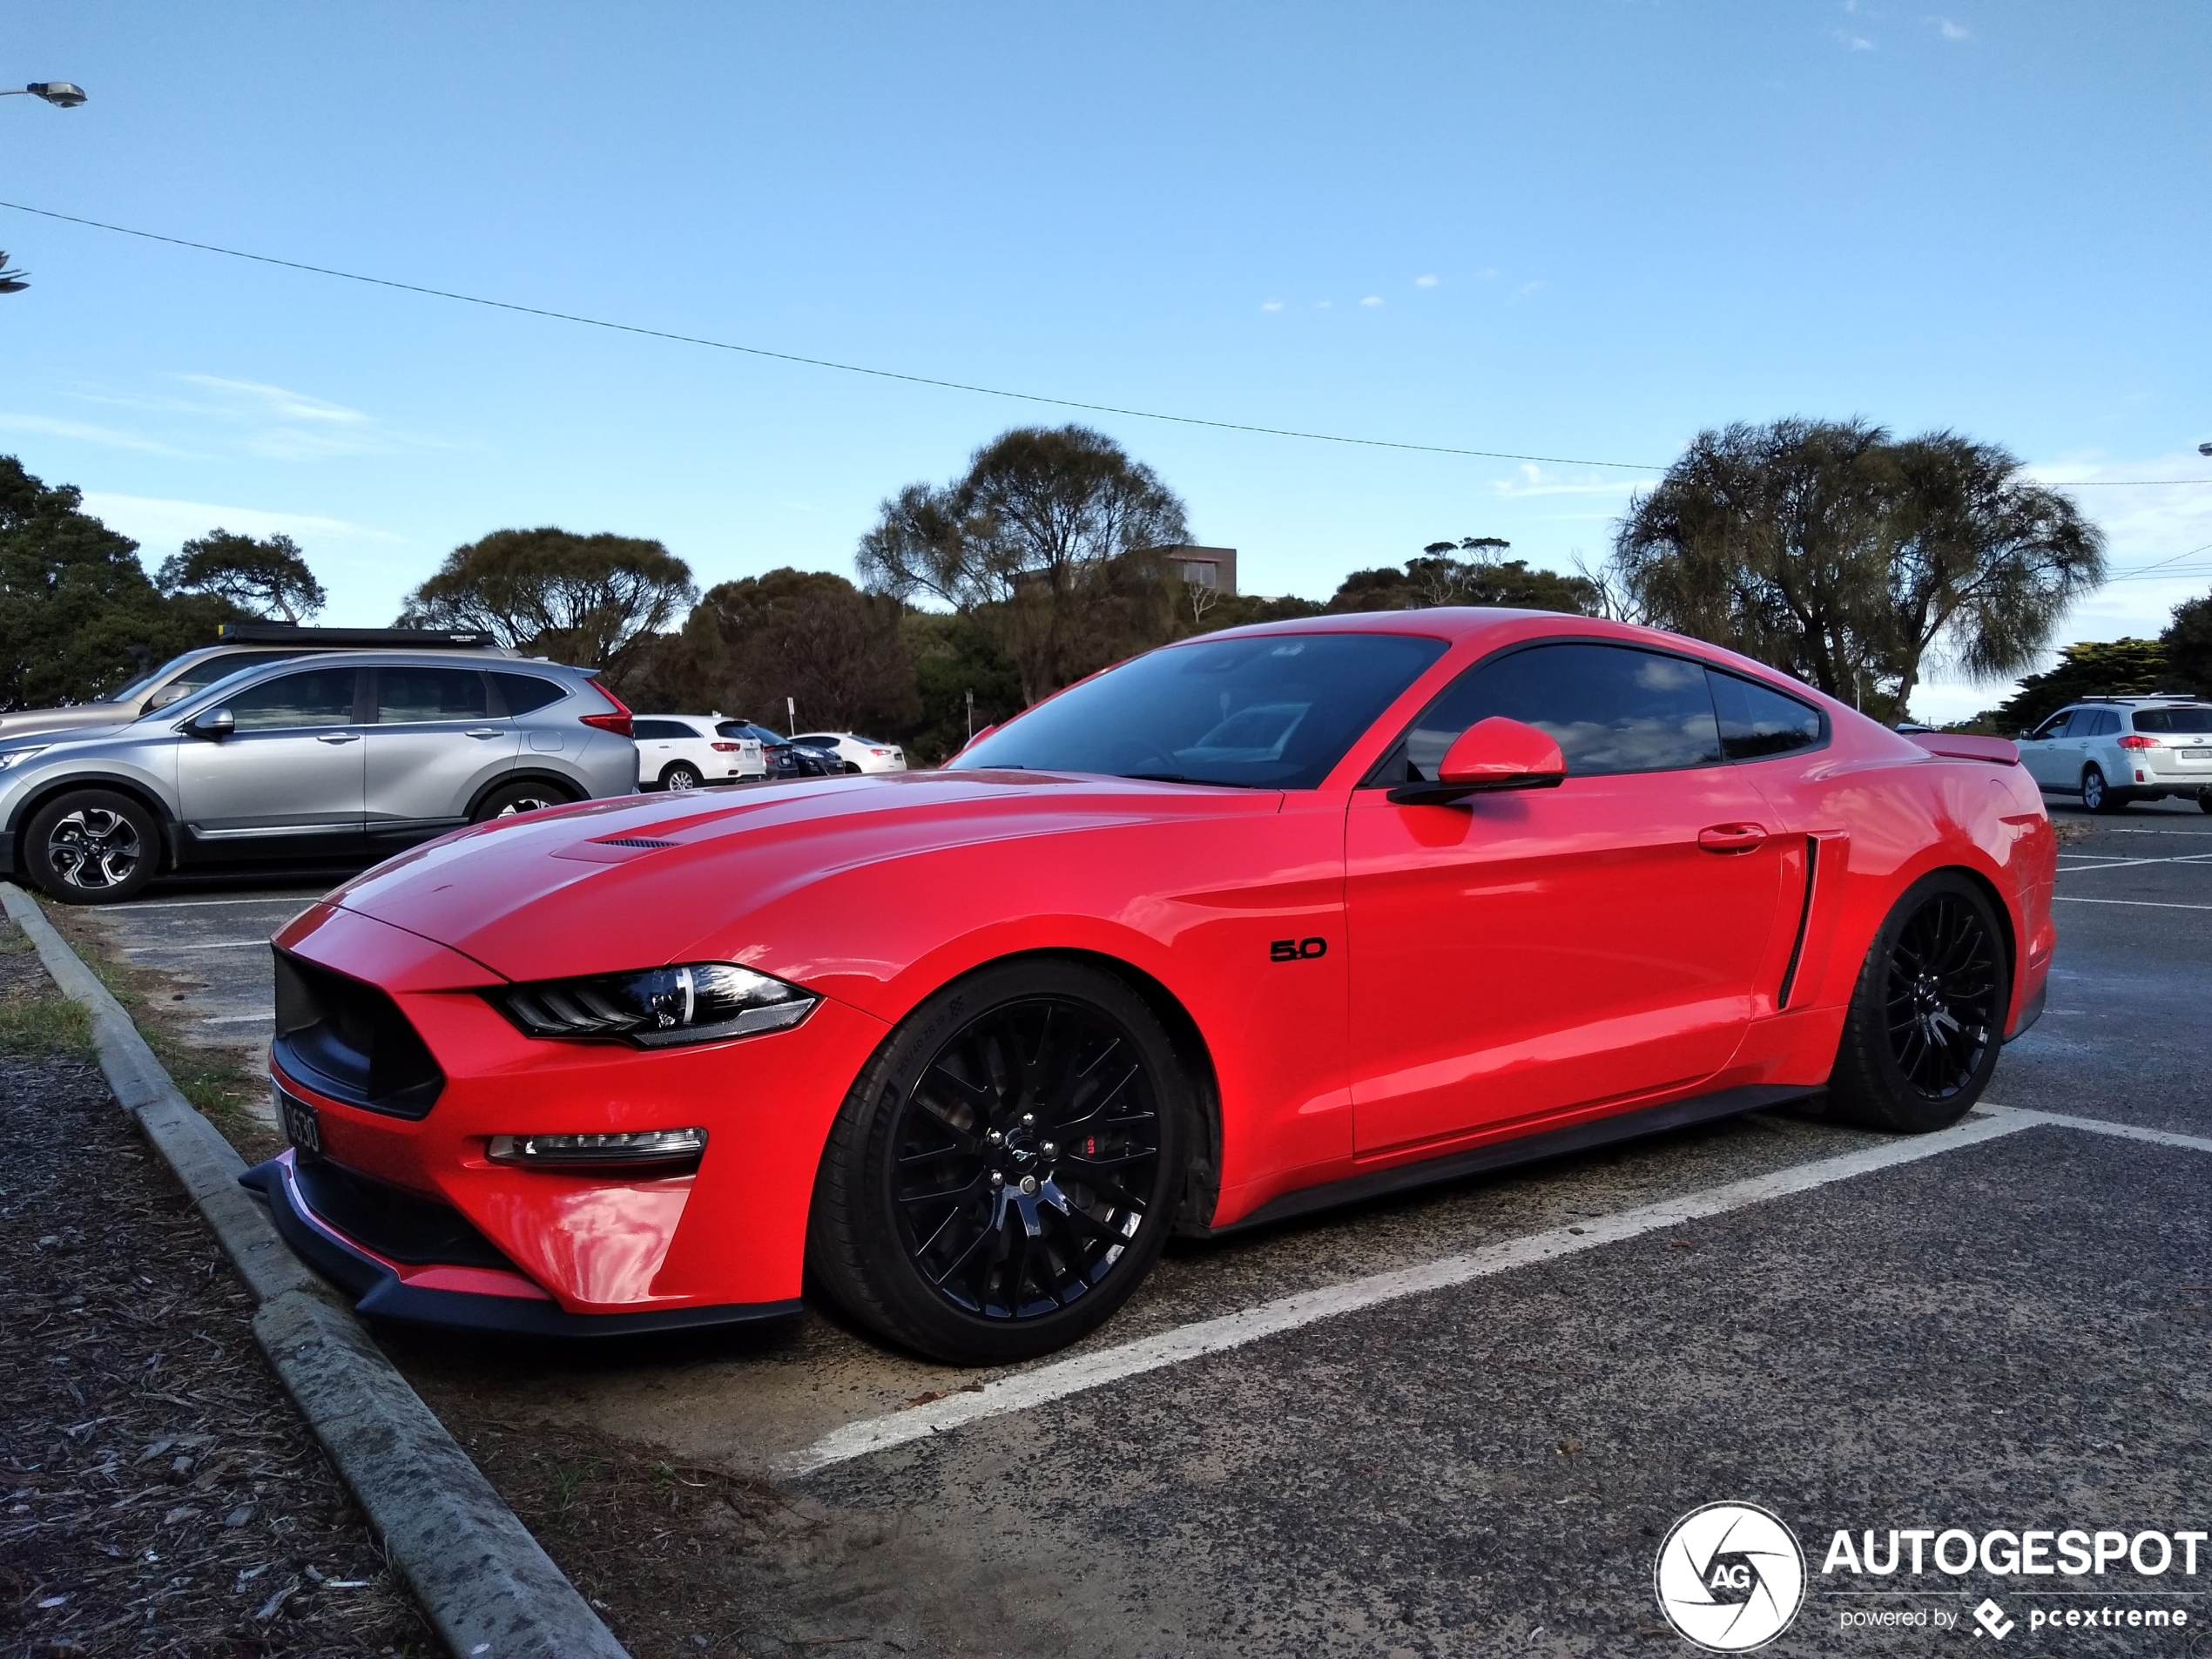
(2103, 722)
(1269, 712)
(2054, 727)
(405, 694)
(1757, 722)
(2173, 720)
(524, 692)
(202, 675)
(1611, 708)
(819, 739)
(743, 730)
(660, 730)
(321, 697)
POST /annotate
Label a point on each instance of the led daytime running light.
(656, 1007)
(621, 1148)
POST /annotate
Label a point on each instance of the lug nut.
(1048, 1151)
(1028, 1183)
(996, 1138)
(997, 1180)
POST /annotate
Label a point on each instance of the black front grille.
(348, 1040)
(399, 1226)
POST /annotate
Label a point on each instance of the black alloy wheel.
(1006, 1169)
(1927, 1019)
(92, 847)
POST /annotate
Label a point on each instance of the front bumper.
(481, 1290)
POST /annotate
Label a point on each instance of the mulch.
(159, 1494)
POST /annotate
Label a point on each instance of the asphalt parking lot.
(1460, 1421)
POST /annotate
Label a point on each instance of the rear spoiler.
(1955, 745)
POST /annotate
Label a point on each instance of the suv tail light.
(617, 722)
(2132, 741)
(724, 748)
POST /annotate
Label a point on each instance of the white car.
(684, 751)
(856, 751)
(2113, 750)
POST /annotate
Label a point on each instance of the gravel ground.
(160, 1495)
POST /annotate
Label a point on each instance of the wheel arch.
(1202, 1176)
(570, 788)
(39, 799)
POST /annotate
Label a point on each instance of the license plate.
(2197, 754)
(301, 1127)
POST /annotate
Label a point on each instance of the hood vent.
(629, 841)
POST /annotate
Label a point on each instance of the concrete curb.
(489, 1589)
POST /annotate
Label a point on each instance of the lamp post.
(63, 95)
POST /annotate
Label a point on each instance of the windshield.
(1266, 711)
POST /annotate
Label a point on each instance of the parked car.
(686, 750)
(862, 754)
(238, 644)
(788, 757)
(2111, 751)
(340, 760)
(964, 1046)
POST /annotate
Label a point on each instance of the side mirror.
(2024, 738)
(215, 724)
(166, 695)
(1490, 755)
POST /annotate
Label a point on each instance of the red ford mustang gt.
(1255, 923)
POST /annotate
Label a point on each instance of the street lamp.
(63, 95)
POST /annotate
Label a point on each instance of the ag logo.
(1730, 1577)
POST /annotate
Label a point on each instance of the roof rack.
(287, 633)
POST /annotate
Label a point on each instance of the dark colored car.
(787, 756)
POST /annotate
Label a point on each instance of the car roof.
(481, 662)
(2156, 700)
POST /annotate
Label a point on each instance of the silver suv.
(2113, 750)
(334, 761)
(240, 645)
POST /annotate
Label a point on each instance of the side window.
(1611, 708)
(321, 696)
(819, 739)
(1757, 723)
(200, 676)
(523, 693)
(2054, 727)
(405, 695)
(650, 730)
(2106, 723)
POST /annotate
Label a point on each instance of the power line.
(821, 363)
(914, 380)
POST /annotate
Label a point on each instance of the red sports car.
(1256, 923)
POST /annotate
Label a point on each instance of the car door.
(2039, 749)
(289, 779)
(658, 744)
(436, 743)
(2099, 730)
(1525, 953)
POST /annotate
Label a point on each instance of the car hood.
(645, 880)
(26, 723)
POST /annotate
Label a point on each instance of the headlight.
(656, 1007)
(16, 756)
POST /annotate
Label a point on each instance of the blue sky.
(1584, 229)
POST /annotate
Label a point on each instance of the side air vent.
(348, 1040)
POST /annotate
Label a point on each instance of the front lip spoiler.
(516, 1307)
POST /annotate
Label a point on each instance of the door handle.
(484, 732)
(1731, 838)
(338, 736)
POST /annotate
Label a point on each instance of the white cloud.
(81, 432)
(1427, 281)
(286, 405)
(157, 523)
(1528, 479)
(1855, 43)
(1528, 288)
(1488, 274)
(1271, 305)
(1322, 305)
(1371, 299)
(1951, 30)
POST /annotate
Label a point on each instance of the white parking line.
(262, 1018)
(302, 900)
(2105, 861)
(1055, 1381)
(218, 944)
(2140, 904)
(1028, 1389)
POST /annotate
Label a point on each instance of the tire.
(2097, 795)
(91, 846)
(528, 795)
(1926, 1020)
(2204, 800)
(681, 774)
(956, 1213)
